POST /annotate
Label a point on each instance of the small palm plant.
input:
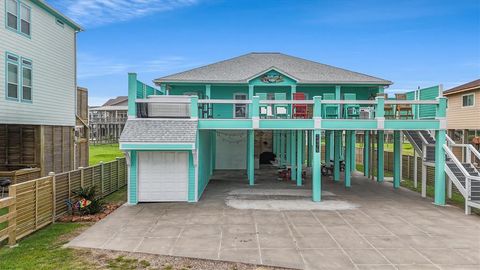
(88, 204)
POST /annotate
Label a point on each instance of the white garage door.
(162, 176)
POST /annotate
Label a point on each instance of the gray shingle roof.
(159, 131)
(243, 68)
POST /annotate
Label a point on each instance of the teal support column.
(251, 157)
(282, 148)
(338, 149)
(293, 90)
(293, 152)
(208, 91)
(132, 95)
(288, 148)
(316, 171)
(274, 142)
(366, 153)
(354, 151)
(332, 145)
(250, 97)
(439, 167)
(299, 157)
(397, 155)
(440, 137)
(194, 107)
(328, 143)
(348, 158)
(214, 150)
(309, 148)
(380, 153)
(132, 179)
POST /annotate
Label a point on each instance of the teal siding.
(191, 178)
(132, 188)
(430, 93)
(205, 153)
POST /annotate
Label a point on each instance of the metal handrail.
(459, 164)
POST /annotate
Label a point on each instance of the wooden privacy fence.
(408, 165)
(41, 201)
(7, 220)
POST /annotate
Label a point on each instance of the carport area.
(368, 226)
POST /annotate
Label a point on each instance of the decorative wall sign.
(272, 78)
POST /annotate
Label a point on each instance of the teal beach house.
(225, 115)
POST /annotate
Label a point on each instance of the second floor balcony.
(318, 113)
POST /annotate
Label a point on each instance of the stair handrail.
(450, 142)
(474, 150)
(456, 161)
(425, 142)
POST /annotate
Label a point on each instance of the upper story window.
(12, 76)
(19, 78)
(468, 100)
(26, 80)
(25, 15)
(19, 17)
(12, 14)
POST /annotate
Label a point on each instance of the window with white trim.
(12, 76)
(240, 110)
(26, 80)
(468, 100)
(25, 19)
(12, 14)
(18, 17)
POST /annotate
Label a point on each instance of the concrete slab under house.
(234, 114)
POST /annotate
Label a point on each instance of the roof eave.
(160, 81)
(57, 13)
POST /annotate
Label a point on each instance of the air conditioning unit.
(366, 113)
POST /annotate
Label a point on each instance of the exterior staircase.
(463, 174)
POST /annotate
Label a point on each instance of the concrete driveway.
(378, 229)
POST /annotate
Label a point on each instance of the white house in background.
(38, 83)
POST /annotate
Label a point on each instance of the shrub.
(88, 193)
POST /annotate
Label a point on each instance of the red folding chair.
(299, 110)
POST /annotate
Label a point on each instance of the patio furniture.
(281, 110)
(351, 110)
(330, 110)
(299, 110)
(388, 108)
(403, 110)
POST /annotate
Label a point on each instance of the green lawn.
(43, 249)
(104, 152)
(407, 148)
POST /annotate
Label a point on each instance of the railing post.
(132, 95)
(251, 90)
(101, 177)
(54, 196)
(380, 112)
(12, 221)
(81, 176)
(317, 112)
(256, 112)
(69, 186)
(194, 107)
(441, 112)
(118, 172)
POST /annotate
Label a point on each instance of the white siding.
(52, 51)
